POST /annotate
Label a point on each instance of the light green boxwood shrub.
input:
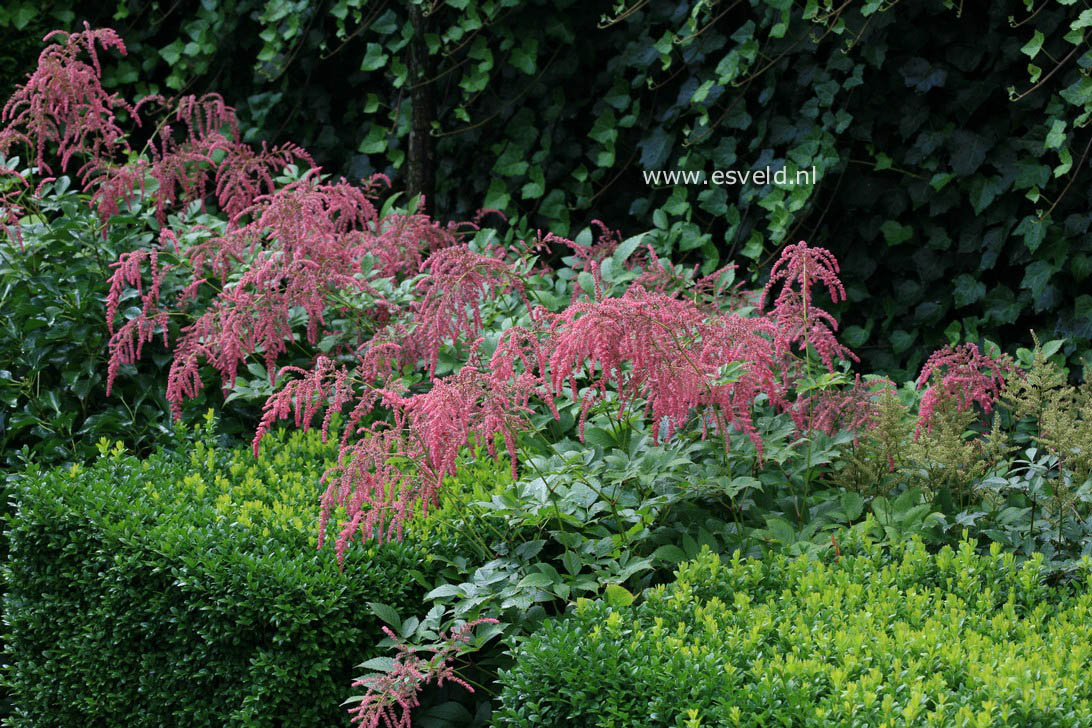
(879, 638)
(186, 590)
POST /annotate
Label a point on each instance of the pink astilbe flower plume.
(403, 242)
(665, 351)
(396, 468)
(182, 168)
(964, 375)
(530, 349)
(63, 102)
(448, 309)
(246, 174)
(127, 342)
(304, 243)
(206, 117)
(799, 322)
(853, 409)
(805, 266)
(814, 327)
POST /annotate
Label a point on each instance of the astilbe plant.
(1062, 413)
(853, 409)
(63, 110)
(303, 242)
(450, 296)
(396, 467)
(873, 466)
(391, 697)
(800, 323)
(665, 352)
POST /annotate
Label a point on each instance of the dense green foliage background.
(551, 110)
(949, 147)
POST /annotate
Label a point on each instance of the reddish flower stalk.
(964, 375)
(392, 696)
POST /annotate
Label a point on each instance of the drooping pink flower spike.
(63, 102)
(806, 266)
(966, 375)
(798, 321)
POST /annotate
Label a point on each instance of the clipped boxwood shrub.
(880, 638)
(186, 590)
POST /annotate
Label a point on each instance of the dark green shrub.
(53, 338)
(186, 589)
(896, 638)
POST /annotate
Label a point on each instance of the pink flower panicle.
(246, 174)
(401, 243)
(853, 409)
(127, 342)
(531, 350)
(667, 352)
(394, 468)
(797, 326)
(325, 385)
(448, 309)
(206, 117)
(805, 266)
(963, 374)
(181, 167)
(392, 696)
(63, 102)
(304, 242)
(800, 323)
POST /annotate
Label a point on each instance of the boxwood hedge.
(186, 589)
(879, 638)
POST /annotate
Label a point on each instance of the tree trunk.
(419, 155)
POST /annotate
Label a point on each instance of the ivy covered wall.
(947, 138)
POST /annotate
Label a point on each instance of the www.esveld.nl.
(765, 176)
